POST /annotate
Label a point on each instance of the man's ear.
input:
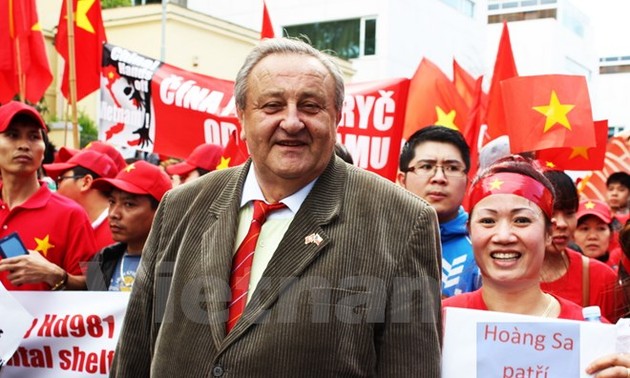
(86, 182)
(401, 179)
(239, 115)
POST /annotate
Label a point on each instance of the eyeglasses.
(429, 169)
(61, 178)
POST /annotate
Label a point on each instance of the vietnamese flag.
(433, 100)
(548, 111)
(24, 68)
(504, 68)
(578, 158)
(267, 27)
(89, 36)
(464, 84)
(617, 159)
(234, 153)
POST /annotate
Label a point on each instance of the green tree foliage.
(115, 3)
(89, 132)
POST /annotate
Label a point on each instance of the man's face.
(68, 185)
(21, 148)
(289, 121)
(444, 193)
(617, 196)
(130, 218)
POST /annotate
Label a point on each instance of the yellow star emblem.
(36, 27)
(555, 112)
(550, 164)
(130, 167)
(446, 119)
(225, 163)
(579, 151)
(496, 184)
(83, 21)
(589, 205)
(43, 245)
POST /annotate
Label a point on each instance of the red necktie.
(242, 261)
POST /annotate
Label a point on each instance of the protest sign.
(73, 334)
(496, 344)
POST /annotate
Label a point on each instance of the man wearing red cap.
(202, 160)
(74, 180)
(54, 229)
(133, 196)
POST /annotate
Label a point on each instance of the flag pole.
(16, 40)
(72, 77)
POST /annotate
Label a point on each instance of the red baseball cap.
(205, 156)
(139, 177)
(96, 162)
(11, 109)
(595, 207)
(65, 153)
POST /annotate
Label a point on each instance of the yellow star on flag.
(550, 164)
(225, 163)
(444, 119)
(555, 112)
(36, 27)
(43, 245)
(130, 167)
(83, 21)
(579, 151)
(496, 184)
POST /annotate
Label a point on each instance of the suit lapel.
(294, 253)
(217, 245)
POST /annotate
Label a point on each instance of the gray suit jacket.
(364, 302)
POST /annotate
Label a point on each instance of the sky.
(611, 30)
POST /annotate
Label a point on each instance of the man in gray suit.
(345, 280)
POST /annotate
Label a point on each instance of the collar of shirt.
(252, 191)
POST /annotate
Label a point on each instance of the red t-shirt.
(103, 234)
(602, 281)
(53, 225)
(474, 300)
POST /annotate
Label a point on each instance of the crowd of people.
(346, 268)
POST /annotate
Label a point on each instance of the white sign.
(14, 322)
(73, 334)
(495, 344)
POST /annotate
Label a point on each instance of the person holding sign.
(293, 264)
(55, 230)
(611, 366)
(511, 206)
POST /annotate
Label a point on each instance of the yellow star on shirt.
(579, 151)
(43, 245)
(496, 184)
(83, 21)
(225, 163)
(130, 167)
(589, 205)
(444, 119)
(555, 112)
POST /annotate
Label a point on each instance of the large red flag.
(548, 111)
(24, 68)
(464, 83)
(578, 158)
(472, 131)
(267, 27)
(234, 153)
(89, 36)
(504, 68)
(433, 100)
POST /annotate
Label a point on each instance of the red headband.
(512, 183)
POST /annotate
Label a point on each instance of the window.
(347, 38)
(465, 6)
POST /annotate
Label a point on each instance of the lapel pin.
(313, 238)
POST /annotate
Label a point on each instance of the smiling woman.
(510, 221)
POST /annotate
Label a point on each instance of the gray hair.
(285, 46)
